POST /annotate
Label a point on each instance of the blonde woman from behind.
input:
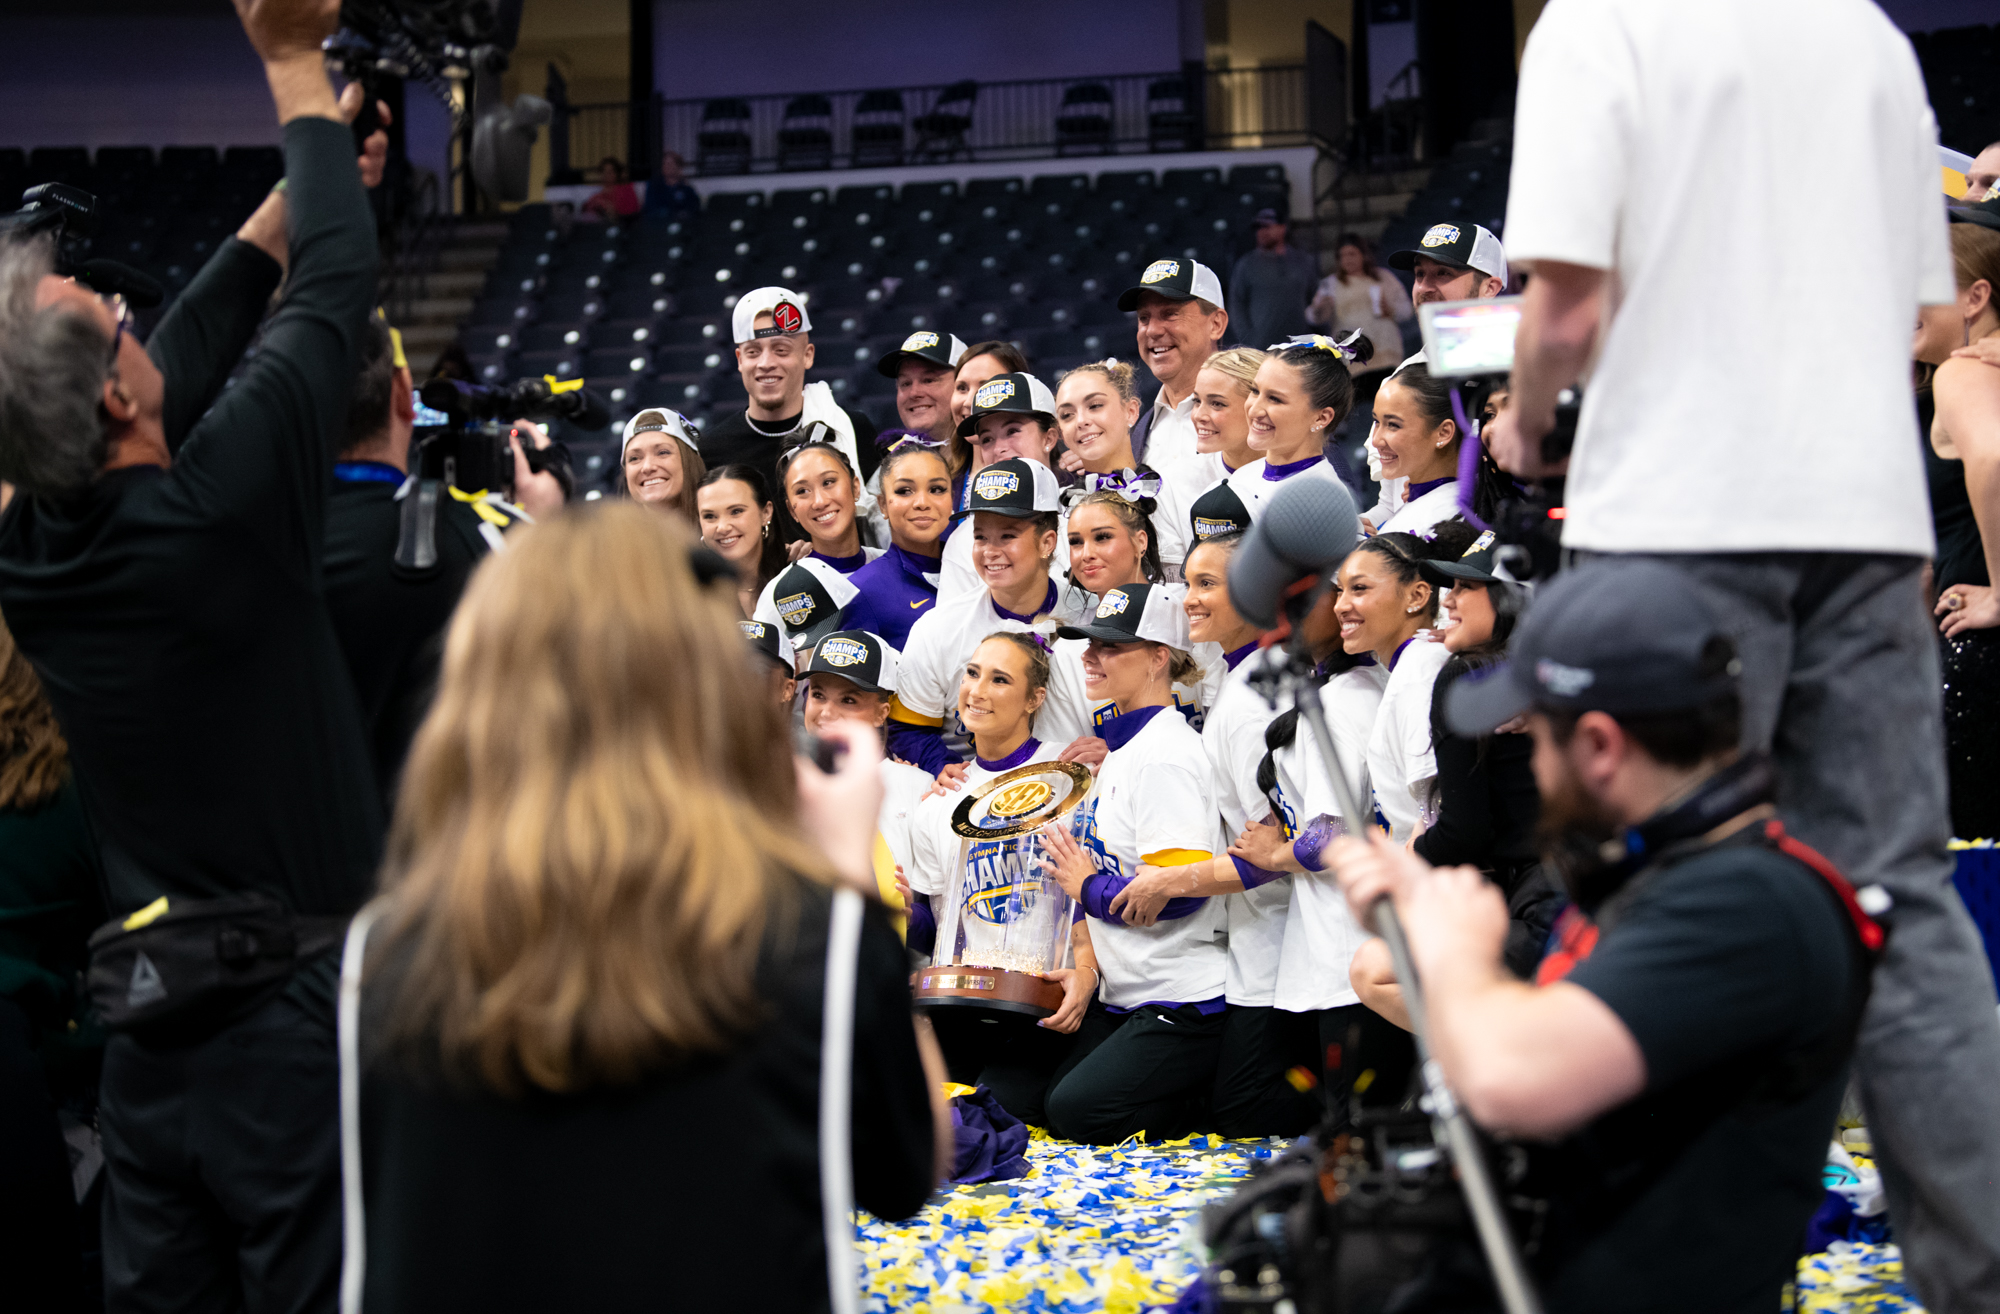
(590, 1015)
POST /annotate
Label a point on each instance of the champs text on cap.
(919, 341)
(796, 608)
(1206, 528)
(1440, 235)
(993, 393)
(754, 629)
(842, 652)
(1114, 604)
(992, 485)
(1160, 270)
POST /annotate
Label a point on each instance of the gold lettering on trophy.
(954, 981)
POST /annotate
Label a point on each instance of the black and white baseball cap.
(1608, 636)
(786, 308)
(764, 638)
(654, 420)
(1009, 394)
(864, 659)
(1217, 512)
(1463, 246)
(1132, 613)
(810, 595)
(1176, 280)
(942, 349)
(1474, 565)
(1014, 487)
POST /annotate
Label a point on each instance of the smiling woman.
(735, 509)
(662, 460)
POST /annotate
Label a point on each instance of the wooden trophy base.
(962, 986)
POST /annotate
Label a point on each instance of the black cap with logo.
(1985, 213)
(764, 638)
(1474, 565)
(1176, 280)
(863, 659)
(1607, 636)
(810, 596)
(1217, 512)
(941, 349)
(1134, 613)
(1015, 487)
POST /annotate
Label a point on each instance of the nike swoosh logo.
(918, 603)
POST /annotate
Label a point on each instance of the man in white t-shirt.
(1180, 324)
(1645, 195)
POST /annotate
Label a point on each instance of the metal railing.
(1213, 109)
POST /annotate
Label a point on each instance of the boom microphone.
(1306, 529)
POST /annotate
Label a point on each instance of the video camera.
(1473, 343)
(69, 216)
(461, 441)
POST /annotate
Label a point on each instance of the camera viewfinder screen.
(1463, 338)
(428, 418)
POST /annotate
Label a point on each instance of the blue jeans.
(1841, 684)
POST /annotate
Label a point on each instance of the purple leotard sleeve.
(1308, 847)
(922, 934)
(1101, 889)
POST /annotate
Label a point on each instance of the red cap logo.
(787, 318)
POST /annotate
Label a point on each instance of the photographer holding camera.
(1792, 493)
(390, 618)
(1684, 1047)
(161, 568)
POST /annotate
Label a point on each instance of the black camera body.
(68, 216)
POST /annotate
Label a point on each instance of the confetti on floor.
(1097, 1228)
(1855, 1279)
(1089, 1228)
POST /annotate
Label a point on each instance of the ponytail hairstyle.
(1491, 485)
(1322, 366)
(1136, 515)
(1033, 649)
(1181, 667)
(1447, 541)
(792, 453)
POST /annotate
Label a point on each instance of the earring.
(767, 529)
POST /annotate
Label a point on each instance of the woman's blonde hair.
(1117, 373)
(596, 827)
(34, 756)
(1975, 256)
(1181, 668)
(1239, 363)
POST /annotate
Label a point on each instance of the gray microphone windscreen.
(1306, 528)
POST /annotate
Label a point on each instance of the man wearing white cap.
(1451, 262)
(1180, 324)
(774, 350)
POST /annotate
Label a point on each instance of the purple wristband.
(1251, 874)
(1308, 846)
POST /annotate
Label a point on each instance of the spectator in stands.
(161, 568)
(615, 932)
(390, 618)
(1638, 215)
(774, 350)
(662, 461)
(616, 198)
(735, 508)
(1270, 286)
(1180, 323)
(1360, 295)
(668, 195)
(1984, 173)
(925, 369)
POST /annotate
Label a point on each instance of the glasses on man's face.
(121, 314)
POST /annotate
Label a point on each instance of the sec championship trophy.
(1004, 921)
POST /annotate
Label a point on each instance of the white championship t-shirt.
(1190, 700)
(1425, 513)
(1233, 735)
(902, 786)
(935, 856)
(1762, 182)
(934, 656)
(1321, 935)
(1401, 761)
(1254, 489)
(1152, 795)
(958, 577)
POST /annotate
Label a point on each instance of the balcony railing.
(1218, 109)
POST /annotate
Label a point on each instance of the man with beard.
(1683, 1051)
